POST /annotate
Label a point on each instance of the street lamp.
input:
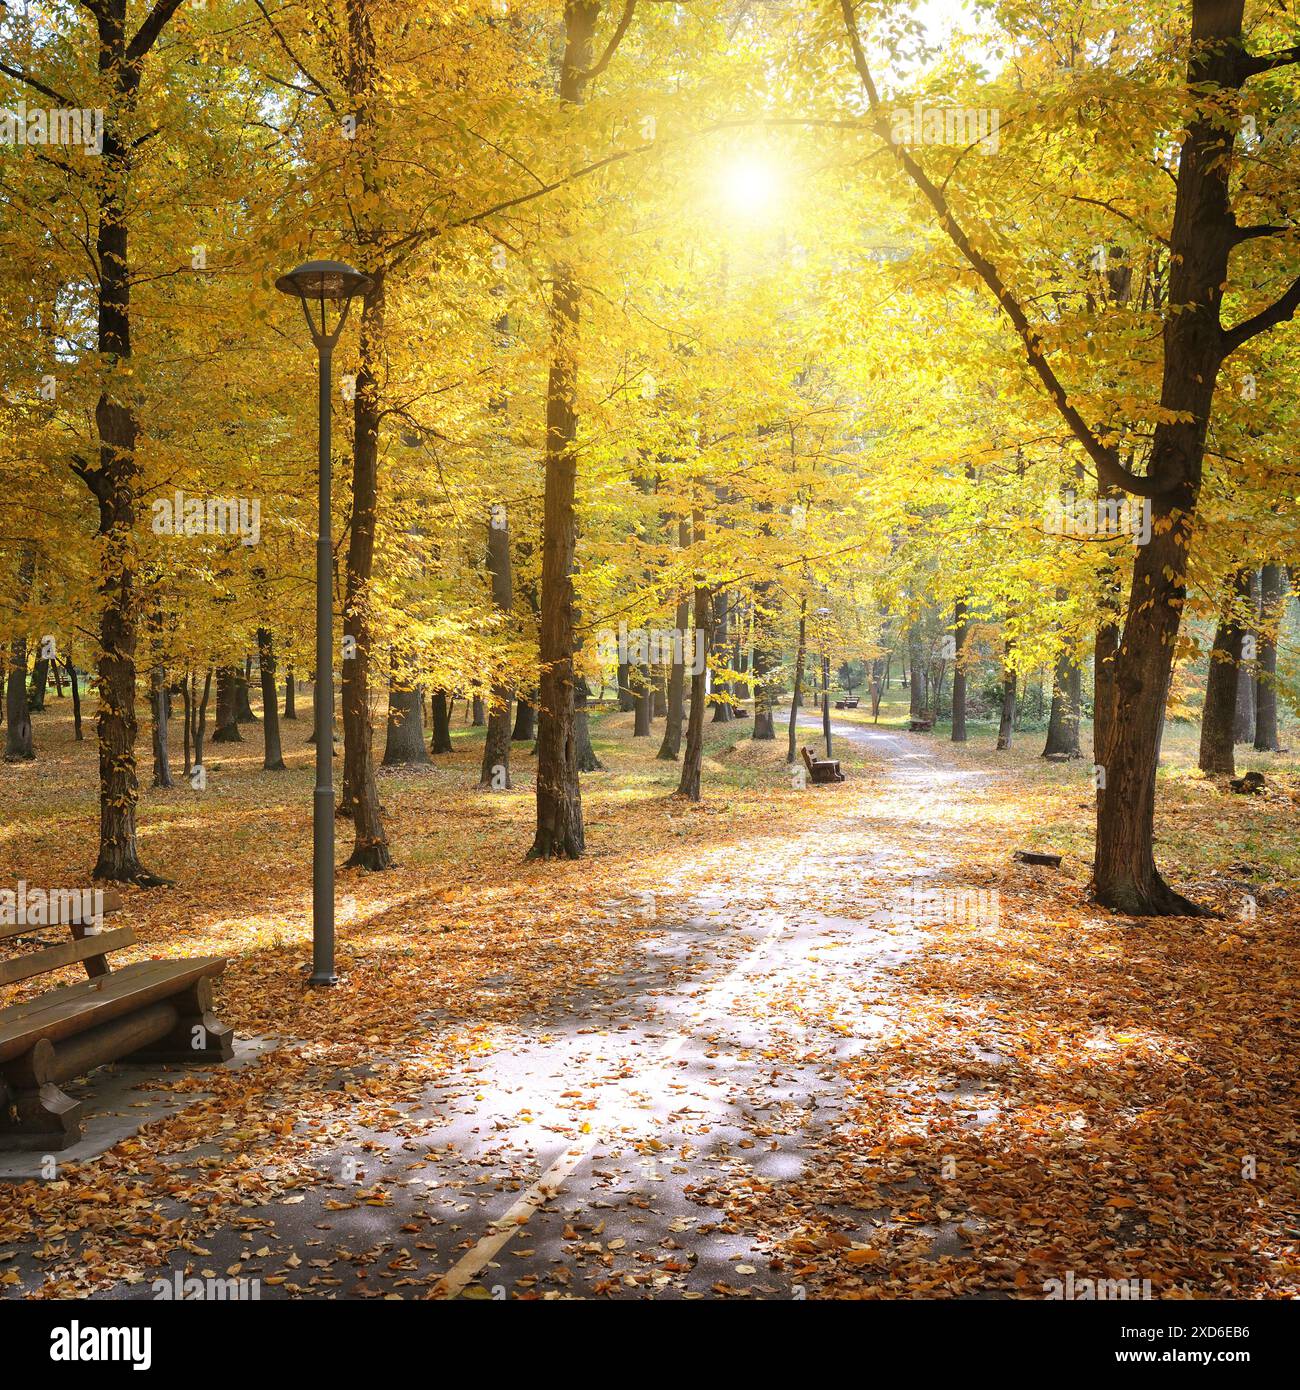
(316, 284)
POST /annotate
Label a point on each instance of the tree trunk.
(162, 773)
(764, 696)
(1067, 693)
(18, 725)
(272, 754)
(671, 747)
(1244, 723)
(559, 832)
(40, 680)
(626, 700)
(916, 674)
(478, 715)
(796, 697)
(587, 759)
(404, 740)
(1007, 723)
(290, 695)
(641, 703)
(75, 687)
(961, 629)
(723, 713)
(243, 706)
(1272, 607)
(1219, 714)
(693, 759)
(525, 728)
(227, 723)
(495, 772)
(440, 719)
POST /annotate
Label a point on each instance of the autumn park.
(650, 652)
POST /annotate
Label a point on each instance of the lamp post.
(316, 284)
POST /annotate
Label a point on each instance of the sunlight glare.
(751, 187)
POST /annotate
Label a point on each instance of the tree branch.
(1282, 310)
(147, 34)
(1105, 458)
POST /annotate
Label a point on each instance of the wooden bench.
(821, 769)
(150, 1011)
(924, 725)
(851, 702)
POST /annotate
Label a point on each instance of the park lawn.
(453, 951)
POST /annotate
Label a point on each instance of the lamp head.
(320, 280)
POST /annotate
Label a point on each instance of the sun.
(751, 186)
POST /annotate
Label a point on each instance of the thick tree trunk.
(495, 772)
(1067, 694)
(243, 705)
(478, 715)
(440, 720)
(404, 740)
(162, 773)
(1125, 875)
(1216, 757)
(290, 695)
(960, 630)
(559, 832)
(40, 680)
(1272, 606)
(360, 789)
(525, 726)
(626, 700)
(272, 753)
(18, 724)
(1006, 724)
(227, 723)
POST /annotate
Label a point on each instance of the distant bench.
(821, 769)
(151, 1011)
(923, 725)
(846, 704)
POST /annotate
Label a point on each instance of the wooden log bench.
(150, 1011)
(821, 769)
(851, 702)
(924, 725)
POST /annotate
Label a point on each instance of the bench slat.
(71, 1009)
(112, 903)
(69, 953)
